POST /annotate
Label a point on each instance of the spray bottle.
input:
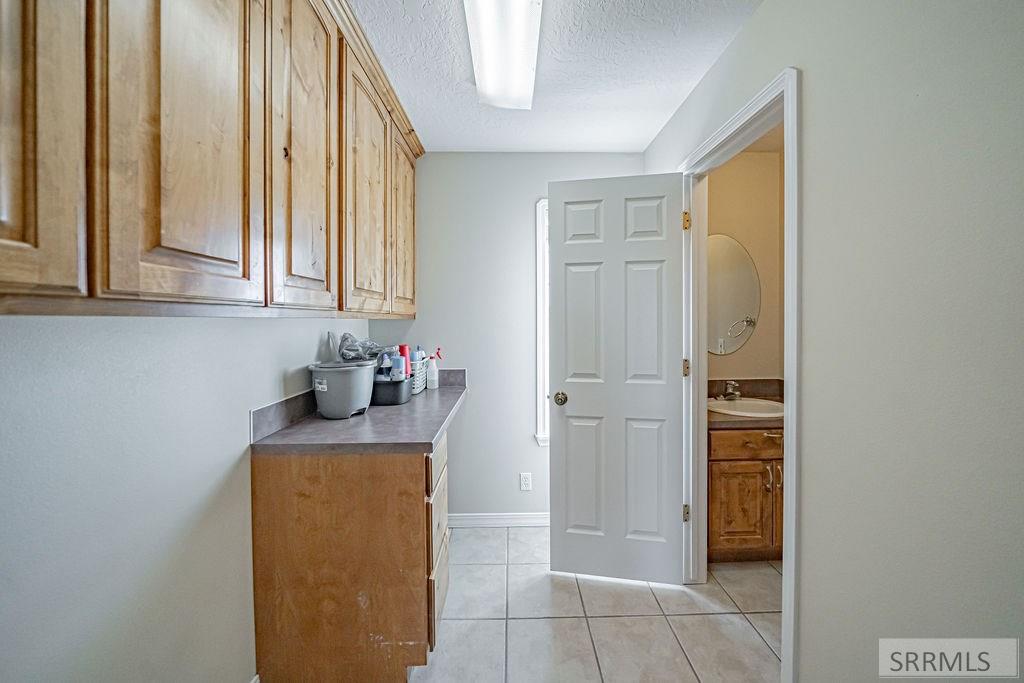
(432, 368)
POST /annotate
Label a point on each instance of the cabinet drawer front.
(745, 445)
(437, 518)
(435, 464)
(437, 592)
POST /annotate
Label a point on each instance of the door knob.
(561, 398)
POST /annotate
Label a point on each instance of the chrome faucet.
(732, 390)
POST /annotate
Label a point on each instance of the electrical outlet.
(525, 481)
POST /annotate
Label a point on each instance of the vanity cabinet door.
(367, 132)
(740, 514)
(403, 226)
(179, 102)
(42, 147)
(305, 92)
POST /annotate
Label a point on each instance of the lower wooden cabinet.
(350, 563)
(744, 495)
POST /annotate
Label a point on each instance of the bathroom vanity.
(745, 488)
(350, 541)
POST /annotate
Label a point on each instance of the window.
(543, 286)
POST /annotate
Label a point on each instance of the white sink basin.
(746, 407)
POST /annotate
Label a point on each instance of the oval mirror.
(734, 295)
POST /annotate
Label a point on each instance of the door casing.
(776, 103)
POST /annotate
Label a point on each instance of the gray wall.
(912, 154)
(125, 542)
(476, 291)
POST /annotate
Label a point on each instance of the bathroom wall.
(125, 545)
(476, 297)
(744, 202)
(912, 269)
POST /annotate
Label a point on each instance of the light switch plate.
(525, 481)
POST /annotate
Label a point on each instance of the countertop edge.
(378, 448)
(722, 421)
(447, 421)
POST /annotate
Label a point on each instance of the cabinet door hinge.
(686, 220)
(686, 512)
(686, 367)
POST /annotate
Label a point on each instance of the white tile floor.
(509, 618)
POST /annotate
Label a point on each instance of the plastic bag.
(350, 348)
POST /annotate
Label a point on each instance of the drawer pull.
(771, 478)
(772, 435)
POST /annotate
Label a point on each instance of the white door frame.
(776, 103)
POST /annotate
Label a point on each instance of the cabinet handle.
(779, 484)
(772, 435)
(286, 153)
(771, 478)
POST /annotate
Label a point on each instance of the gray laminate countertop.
(721, 421)
(414, 427)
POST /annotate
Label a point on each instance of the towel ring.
(745, 322)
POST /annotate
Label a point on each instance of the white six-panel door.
(616, 330)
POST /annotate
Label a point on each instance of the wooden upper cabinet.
(305, 93)
(367, 133)
(180, 122)
(403, 226)
(42, 147)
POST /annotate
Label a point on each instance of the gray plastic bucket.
(342, 388)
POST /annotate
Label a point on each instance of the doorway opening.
(741, 478)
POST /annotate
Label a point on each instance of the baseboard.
(499, 519)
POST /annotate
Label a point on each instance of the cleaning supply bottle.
(432, 373)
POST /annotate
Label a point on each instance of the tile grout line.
(763, 639)
(673, 631)
(586, 620)
(758, 632)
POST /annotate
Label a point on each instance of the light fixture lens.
(503, 37)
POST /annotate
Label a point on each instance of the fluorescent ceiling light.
(503, 37)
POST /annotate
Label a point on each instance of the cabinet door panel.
(366, 200)
(403, 227)
(179, 96)
(42, 147)
(304, 231)
(740, 505)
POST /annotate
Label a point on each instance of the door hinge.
(686, 220)
(686, 367)
(686, 512)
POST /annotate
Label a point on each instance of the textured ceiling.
(610, 73)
